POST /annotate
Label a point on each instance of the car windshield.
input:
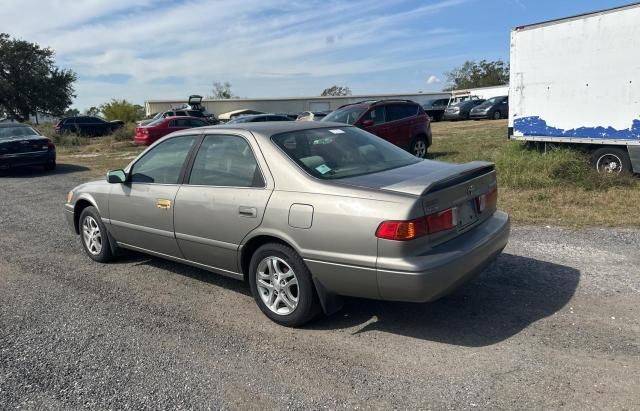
(240, 119)
(334, 153)
(492, 101)
(17, 132)
(346, 115)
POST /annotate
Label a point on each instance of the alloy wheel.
(91, 235)
(277, 285)
(420, 149)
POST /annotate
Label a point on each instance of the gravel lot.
(554, 323)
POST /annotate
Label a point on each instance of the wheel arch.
(80, 204)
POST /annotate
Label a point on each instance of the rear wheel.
(611, 160)
(94, 237)
(51, 165)
(497, 115)
(282, 286)
(419, 147)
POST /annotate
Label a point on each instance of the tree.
(72, 112)
(120, 110)
(336, 91)
(92, 111)
(222, 90)
(30, 82)
(478, 74)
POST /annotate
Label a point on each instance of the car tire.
(611, 160)
(497, 115)
(282, 286)
(94, 236)
(419, 147)
(50, 166)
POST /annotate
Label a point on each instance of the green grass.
(555, 187)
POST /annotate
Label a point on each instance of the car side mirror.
(367, 123)
(116, 176)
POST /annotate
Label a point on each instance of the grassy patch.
(536, 187)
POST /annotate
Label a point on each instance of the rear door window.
(399, 111)
(225, 161)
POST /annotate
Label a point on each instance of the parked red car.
(157, 129)
(401, 122)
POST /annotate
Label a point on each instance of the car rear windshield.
(17, 132)
(334, 153)
(347, 115)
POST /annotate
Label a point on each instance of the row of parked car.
(472, 108)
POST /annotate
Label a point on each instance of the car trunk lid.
(23, 144)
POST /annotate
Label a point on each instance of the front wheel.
(419, 147)
(94, 237)
(282, 286)
(497, 115)
(610, 160)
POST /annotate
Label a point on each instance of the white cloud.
(301, 44)
(433, 79)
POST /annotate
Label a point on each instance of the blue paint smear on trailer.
(536, 126)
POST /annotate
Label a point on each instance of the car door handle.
(248, 211)
(164, 204)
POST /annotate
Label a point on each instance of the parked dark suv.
(401, 122)
(87, 126)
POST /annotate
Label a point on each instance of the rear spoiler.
(468, 171)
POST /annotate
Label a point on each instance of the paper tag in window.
(336, 131)
(323, 169)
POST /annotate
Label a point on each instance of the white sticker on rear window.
(323, 169)
(336, 131)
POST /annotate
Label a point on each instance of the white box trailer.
(577, 81)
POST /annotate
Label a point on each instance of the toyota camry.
(304, 212)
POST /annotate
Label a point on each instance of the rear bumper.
(447, 266)
(27, 159)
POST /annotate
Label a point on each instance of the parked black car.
(460, 111)
(22, 145)
(435, 108)
(495, 108)
(87, 126)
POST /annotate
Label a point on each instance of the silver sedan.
(305, 212)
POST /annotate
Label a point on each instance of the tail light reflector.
(50, 145)
(488, 200)
(442, 221)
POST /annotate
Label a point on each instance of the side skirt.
(220, 271)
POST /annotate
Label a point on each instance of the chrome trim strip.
(550, 139)
(207, 241)
(220, 271)
(360, 267)
(144, 229)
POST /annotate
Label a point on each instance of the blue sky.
(144, 49)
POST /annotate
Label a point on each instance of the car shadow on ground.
(39, 171)
(507, 297)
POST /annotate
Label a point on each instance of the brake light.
(51, 146)
(419, 227)
(488, 200)
(402, 230)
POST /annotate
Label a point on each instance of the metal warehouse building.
(299, 104)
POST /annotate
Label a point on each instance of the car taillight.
(419, 227)
(442, 221)
(50, 145)
(488, 200)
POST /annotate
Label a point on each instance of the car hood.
(420, 178)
